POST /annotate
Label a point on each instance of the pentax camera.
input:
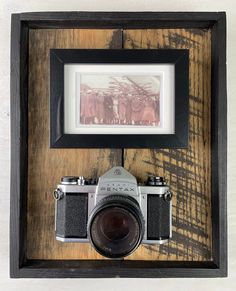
(116, 214)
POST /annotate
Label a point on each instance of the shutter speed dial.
(75, 180)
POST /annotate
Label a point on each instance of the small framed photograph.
(118, 98)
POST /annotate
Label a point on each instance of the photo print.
(126, 100)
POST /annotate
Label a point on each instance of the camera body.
(79, 200)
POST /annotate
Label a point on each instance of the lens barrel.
(116, 226)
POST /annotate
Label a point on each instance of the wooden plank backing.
(187, 171)
(46, 165)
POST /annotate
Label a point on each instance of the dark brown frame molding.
(20, 266)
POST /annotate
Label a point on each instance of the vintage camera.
(116, 214)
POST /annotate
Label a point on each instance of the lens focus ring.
(116, 226)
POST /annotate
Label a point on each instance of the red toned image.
(132, 100)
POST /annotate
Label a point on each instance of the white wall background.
(12, 6)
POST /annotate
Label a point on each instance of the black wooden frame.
(60, 57)
(20, 266)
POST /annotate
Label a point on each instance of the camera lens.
(116, 226)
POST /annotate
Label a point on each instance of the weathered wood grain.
(187, 171)
(46, 165)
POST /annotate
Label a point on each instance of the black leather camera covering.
(72, 215)
(158, 217)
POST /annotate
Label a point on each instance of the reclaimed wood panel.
(45, 165)
(188, 171)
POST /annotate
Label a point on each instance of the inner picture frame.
(121, 98)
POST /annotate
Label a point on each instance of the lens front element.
(116, 226)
